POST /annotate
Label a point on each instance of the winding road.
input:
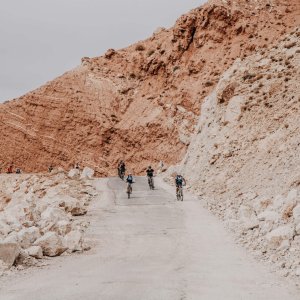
(150, 247)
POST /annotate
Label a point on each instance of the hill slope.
(140, 103)
(244, 158)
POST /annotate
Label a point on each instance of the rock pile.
(244, 159)
(40, 215)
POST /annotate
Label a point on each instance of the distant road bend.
(150, 247)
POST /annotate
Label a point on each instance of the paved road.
(150, 247)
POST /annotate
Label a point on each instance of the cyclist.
(129, 181)
(10, 169)
(121, 169)
(179, 181)
(150, 175)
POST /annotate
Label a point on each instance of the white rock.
(53, 215)
(251, 223)
(298, 229)
(72, 206)
(292, 196)
(51, 244)
(27, 236)
(87, 173)
(62, 227)
(297, 272)
(12, 238)
(285, 244)
(266, 227)
(245, 212)
(4, 228)
(276, 236)
(9, 253)
(73, 240)
(268, 216)
(296, 214)
(35, 251)
(73, 173)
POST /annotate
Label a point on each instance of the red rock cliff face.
(140, 103)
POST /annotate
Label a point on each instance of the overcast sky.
(41, 39)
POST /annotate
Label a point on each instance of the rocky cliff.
(141, 103)
(244, 159)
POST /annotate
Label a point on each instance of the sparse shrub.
(209, 83)
(176, 68)
(140, 47)
(150, 52)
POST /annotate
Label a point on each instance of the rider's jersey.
(122, 167)
(179, 180)
(129, 179)
(150, 172)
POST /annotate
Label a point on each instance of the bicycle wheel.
(129, 191)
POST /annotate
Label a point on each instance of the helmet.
(149, 167)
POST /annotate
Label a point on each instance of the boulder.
(87, 173)
(72, 206)
(270, 216)
(4, 228)
(35, 251)
(12, 238)
(296, 214)
(27, 236)
(297, 272)
(62, 227)
(51, 243)
(9, 252)
(251, 223)
(73, 241)
(276, 236)
(298, 229)
(285, 244)
(53, 215)
(246, 212)
(74, 173)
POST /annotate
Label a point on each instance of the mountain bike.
(179, 193)
(121, 174)
(151, 183)
(129, 190)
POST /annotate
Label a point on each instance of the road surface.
(150, 247)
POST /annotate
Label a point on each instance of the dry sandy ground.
(150, 247)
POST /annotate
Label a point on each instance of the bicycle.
(151, 183)
(179, 193)
(121, 174)
(129, 190)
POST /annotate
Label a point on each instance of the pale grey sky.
(41, 39)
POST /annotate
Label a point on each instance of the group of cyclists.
(179, 180)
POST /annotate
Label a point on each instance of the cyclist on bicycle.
(129, 181)
(121, 169)
(179, 181)
(150, 175)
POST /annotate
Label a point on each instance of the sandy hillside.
(143, 102)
